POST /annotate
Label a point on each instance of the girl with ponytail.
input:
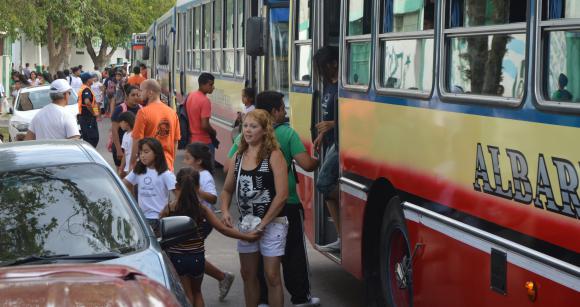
(189, 257)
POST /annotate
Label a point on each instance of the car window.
(37, 99)
(73, 209)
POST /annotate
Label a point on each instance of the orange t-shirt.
(135, 80)
(198, 107)
(159, 121)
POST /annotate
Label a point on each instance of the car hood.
(147, 261)
(80, 284)
(26, 116)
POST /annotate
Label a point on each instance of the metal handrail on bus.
(507, 244)
(222, 121)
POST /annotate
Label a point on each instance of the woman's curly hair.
(269, 142)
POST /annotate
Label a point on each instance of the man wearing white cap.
(53, 121)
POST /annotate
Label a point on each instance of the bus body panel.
(300, 114)
(352, 210)
(447, 272)
(163, 79)
(305, 190)
(446, 174)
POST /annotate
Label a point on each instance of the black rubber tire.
(393, 223)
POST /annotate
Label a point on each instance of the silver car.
(28, 102)
(60, 202)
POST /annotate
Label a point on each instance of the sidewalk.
(4, 118)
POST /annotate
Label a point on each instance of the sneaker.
(263, 305)
(332, 247)
(314, 301)
(225, 285)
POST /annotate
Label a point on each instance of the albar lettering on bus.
(519, 188)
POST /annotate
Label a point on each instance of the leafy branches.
(59, 23)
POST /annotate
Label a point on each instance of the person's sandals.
(225, 285)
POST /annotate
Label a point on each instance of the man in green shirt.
(294, 261)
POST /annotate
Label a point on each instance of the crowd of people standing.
(260, 179)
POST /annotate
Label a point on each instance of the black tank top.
(255, 189)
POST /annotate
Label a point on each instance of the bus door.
(325, 24)
(274, 65)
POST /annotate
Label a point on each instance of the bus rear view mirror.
(145, 53)
(255, 36)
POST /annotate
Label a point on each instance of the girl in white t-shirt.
(198, 156)
(98, 89)
(126, 122)
(153, 179)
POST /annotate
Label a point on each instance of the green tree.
(57, 24)
(111, 23)
(53, 23)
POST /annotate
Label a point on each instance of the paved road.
(333, 285)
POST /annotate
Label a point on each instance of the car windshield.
(73, 210)
(37, 99)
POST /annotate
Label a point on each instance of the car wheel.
(395, 257)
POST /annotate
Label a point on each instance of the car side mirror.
(176, 229)
(145, 55)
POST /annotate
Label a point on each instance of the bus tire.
(395, 274)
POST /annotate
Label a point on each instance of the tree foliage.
(59, 23)
(112, 23)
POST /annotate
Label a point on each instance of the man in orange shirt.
(136, 78)
(199, 112)
(156, 120)
(143, 70)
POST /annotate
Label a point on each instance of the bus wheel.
(395, 257)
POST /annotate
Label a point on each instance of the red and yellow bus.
(459, 169)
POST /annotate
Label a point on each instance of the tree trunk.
(58, 47)
(102, 59)
(493, 73)
(476, 45)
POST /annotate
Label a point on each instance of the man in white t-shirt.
(54, 121)
(75, 79)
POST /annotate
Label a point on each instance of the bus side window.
(217, 36)
(229, 54)
(188, 39)
(302, 43)
(560, 76)
(358, 43)
(180, 28)
(406, 63)
(491, 64)
(207, 37)
(196, 39)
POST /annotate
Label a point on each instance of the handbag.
(249, 222)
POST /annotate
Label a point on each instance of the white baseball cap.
(59, 86)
